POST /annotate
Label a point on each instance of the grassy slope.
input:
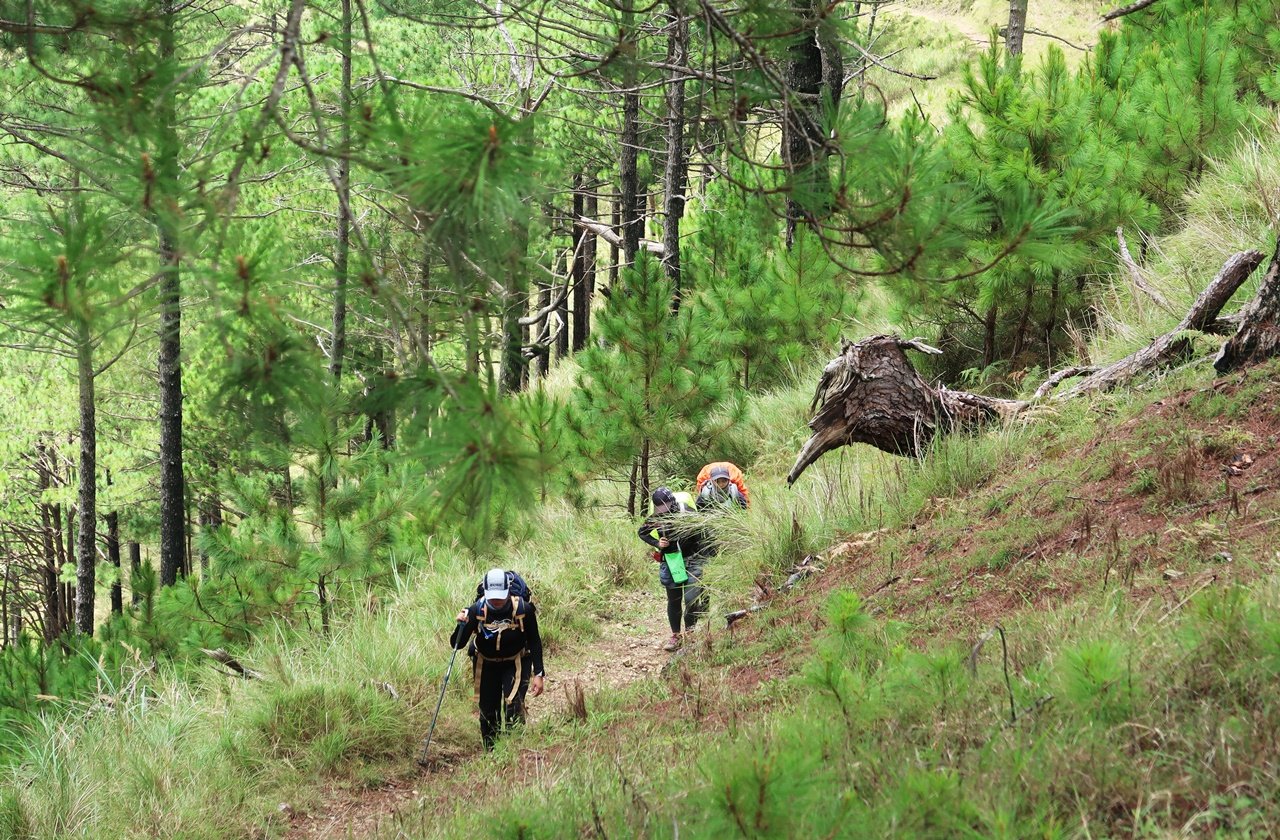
(818, 711)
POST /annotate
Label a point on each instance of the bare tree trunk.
(989, 338)
(87, 499)
(52, 587)
(676, 171)
(69, 589)
(172, 482)
(113, 557)
(1017, 27)
(633, 486)
(587, 289)
(569, 264)
(629, 175)
(515, 302)
(872, 394)
(815, 79)
(342, 252)
(135, 568)
(615, 253)
(581, 302)
(544, 353)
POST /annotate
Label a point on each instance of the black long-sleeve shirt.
(507, 643)
(691, 536)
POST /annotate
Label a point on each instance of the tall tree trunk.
(543, 346)
(87, 500)
(588, 289)
(69, 589)
(113, 557)
(1019, 337)
(989, 338)
(633, 489)
(1017, 27)
(628, 171)
(135, 569)
(52, 587)
(514, 305)
(643, 489)
(615, 254)
(815, 69)
(342, 252)
(568, 264)
(172, 483)
(581, 298)
(676, 171)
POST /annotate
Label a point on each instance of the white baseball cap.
(495, 585)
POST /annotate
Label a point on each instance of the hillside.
(1111, 535)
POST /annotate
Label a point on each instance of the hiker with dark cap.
(720, 491)
(682, 549)
(508, 653)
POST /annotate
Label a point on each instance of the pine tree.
(644, 395)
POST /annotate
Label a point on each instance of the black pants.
(689, 599)
(495, 684)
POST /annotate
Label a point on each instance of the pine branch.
(1128, 10)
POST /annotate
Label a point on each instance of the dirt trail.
(627, 651)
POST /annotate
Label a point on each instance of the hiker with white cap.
(507, 648)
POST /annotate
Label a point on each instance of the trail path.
(626, 651)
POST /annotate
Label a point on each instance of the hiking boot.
(673, 643)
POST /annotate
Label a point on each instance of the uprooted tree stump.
(872, 394)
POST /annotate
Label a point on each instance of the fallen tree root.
(871, 393)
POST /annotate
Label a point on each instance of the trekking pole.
(422, 754)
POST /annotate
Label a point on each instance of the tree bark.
(514, 304)
(581, 301)
(52, 587)
(1017, 27)
(1258, 338)
(342, 251)
(586, 288)
(172, 482)
(135, 568)
(87, 499)
(676, 171)
(113, 557)
(628, 171)
(801, 132)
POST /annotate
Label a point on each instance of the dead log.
(221, 656)
(1135, 275)
(870, 393)
(611, 236)
(1175, 344)
(1258, 337)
